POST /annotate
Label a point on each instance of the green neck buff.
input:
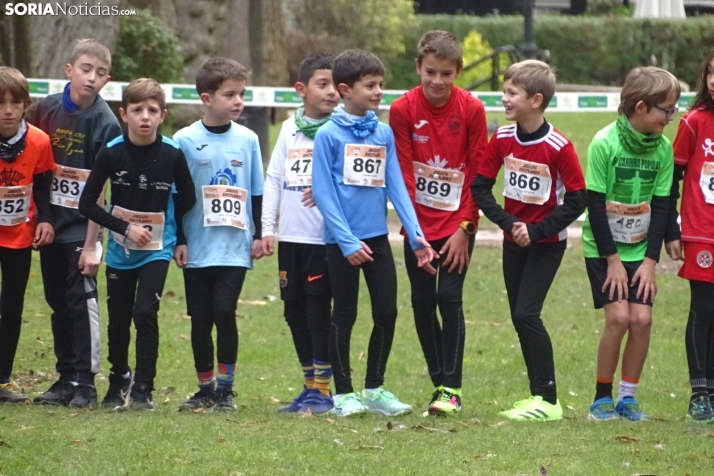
(635, 142)
(308, 128)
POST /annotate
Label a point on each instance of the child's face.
(710, 78)
(12, 110)
(87, 76)
(364, 96)
(656, 119)
(319, 94)
(517, 103)
(143, 119)
(226, 104)
(437, 77)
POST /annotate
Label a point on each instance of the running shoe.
(225, 400)
(60, 393)
(603, 409)
(385, 403)
(516, 406)
(317, 403)
(434, 397)
(11, 393)
(204, 398)
(629, 409)
(140, 397)
(537, 410)
(349, 404)
(118, 392)
(448, 403)
(296, 404)
(85, 396)
(700, 411)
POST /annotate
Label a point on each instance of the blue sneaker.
(603, 409)
(296, 404)
(629, 408)
(317, 403)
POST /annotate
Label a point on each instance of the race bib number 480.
(628, 223)
(154, 222)
(67, 186)
(527, 182)
(706, 181)
(298, 167)
(14, 204)
(224, 205)
(365, 165)
(438, 188)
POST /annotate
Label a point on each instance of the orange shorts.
(698, 262)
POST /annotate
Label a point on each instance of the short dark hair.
(214, 71)
(352, 65)
(143, 89)
(649, 84)
(14, 82)
(312, 63)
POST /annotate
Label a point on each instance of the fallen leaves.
(361, 356)
(392, 427)
(337, 440)
(365, 447)
(307, 414)
(626, 439)
(274, 400)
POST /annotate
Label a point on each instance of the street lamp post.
(529, 46)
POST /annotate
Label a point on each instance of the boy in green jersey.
(629, 175)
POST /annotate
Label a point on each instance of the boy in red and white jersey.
(440, 134)
(544, 192)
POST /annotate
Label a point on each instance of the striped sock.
(628, 387)
(323, 374)
(206, 379)
(225, 375)
(699, 388)
(309, 370)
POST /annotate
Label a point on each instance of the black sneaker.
(700, 410)
(224, 400)
(204, 398)
(141, 397)
(11, 393)
(60, 393)
(85, 396)
(118, 391)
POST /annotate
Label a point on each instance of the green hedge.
(583, 49)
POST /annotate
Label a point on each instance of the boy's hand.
(307, 200)
(616, 278)
(674, 250)
(520, 234)
(256, 249)
(44, 235)
(361, 256)
(645, 275)
(456, 249)
(267, 245)
(139, 235)
(88, 262)
(181, 256)
(426, 255)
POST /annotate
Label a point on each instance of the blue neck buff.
(67, 99)
(361, 126)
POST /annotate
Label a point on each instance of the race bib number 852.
(14, 204)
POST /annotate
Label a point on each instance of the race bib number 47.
(628, 223)
(67, 186)
(438, 188)
(706, 181)
(527, 182)
(298, 167)
(14, 204)
(365, 165)
(154, 222)
(224, 205)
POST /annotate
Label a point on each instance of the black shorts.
(303, 270)
(597, 273)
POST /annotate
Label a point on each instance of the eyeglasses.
(669, 113)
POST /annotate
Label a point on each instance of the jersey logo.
(704, 259)
(10, 178)
(421, 124)
(202, 146)
(236, 163)
(224, 177)
(119, 174)
(437, 163)
(708, 146)
(313, 278)
(142, 181)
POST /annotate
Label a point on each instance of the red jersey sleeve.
(685, 142)
(491, 163)
(477, 144)
(400, 123)
(569, 169)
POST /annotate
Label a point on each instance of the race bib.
(154, 222)
(67, 186)
(706, 181)
(224, 205)
(438, 188)
(527, 182)
(298, 167)
(14, 204)
(628, 223)
(365, 165)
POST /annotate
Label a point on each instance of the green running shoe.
(700, 411)
(349, 404)
(385, 403)
(537, 410)
(516, 406)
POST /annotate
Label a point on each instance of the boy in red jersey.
(544, 192)
(440, 134)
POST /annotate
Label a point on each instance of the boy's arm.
(574, 200)
(88, 205)
(673, 231)
(482, 188)
(273, 185)
(477, 143)
(185, 196)
(403, 142)
(660, 207)
(596, 184)
(324, 192)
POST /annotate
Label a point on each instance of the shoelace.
(446, 396)
(436, 396)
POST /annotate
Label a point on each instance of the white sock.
(627, 389)
(336, 397)
(367, 391)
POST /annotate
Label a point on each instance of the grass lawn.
(256, 440)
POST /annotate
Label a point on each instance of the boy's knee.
(619, 318)
(641, 321)
(449, 299)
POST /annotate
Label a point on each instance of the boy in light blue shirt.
(355, 169)
(222, 230)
